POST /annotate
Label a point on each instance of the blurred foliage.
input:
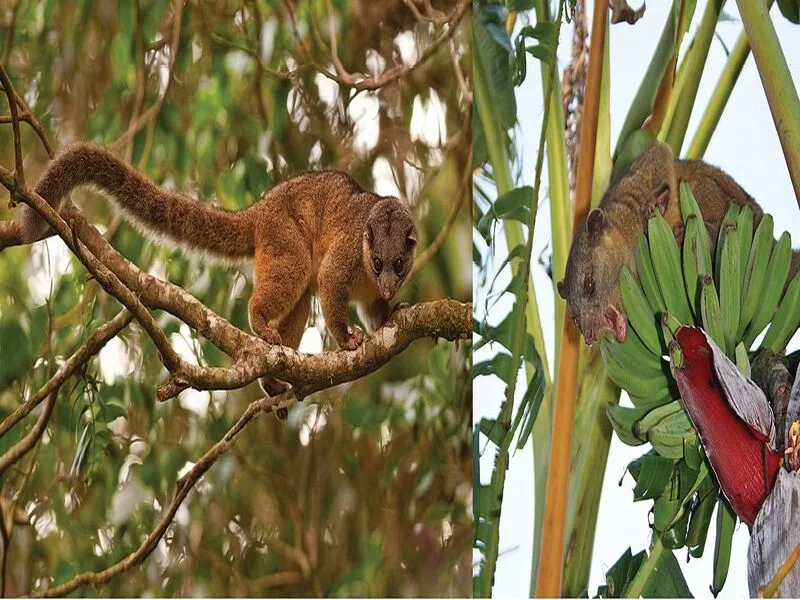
(364, 489)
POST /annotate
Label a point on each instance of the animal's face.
(591, 282)
(599, 249)
(390, 237)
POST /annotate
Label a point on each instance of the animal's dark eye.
(398, 266)
(588, 286)
(377, 265)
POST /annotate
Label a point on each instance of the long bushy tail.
(186, 221)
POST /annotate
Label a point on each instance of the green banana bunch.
(734, 295)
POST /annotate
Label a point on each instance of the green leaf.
(652, 473)
(492, 47)
(500, 366)
(666, 580)
(790, 9)
(496, 432)
(14, 352)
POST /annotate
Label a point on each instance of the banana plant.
(672, 473)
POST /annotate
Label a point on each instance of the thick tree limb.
(309, 373)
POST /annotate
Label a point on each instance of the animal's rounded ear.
(596, 221)
(661, 196)
(561, 287)
(411, 240)
(368, 235)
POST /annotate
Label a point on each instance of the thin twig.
(85, 351)
(28, 118)
(429, 252)
(462, 81)
(19, 171)
(22, 447)
(362, 82)
(137, 125)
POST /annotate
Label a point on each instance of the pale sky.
(746, 146)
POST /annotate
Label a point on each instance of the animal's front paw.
(273, 387)
(355, 337)
(400, 306)
(271, 336)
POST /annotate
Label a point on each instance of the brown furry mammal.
(319, 230)
(607, 238)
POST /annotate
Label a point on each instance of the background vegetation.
(560, 401)
(364, 489)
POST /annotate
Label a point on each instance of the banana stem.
(551, 563)
(636, 587)
(777, 82)
(685, 103)
(592, 429)
(499, 159)
(561, 230)
(642, 104)
(722, 92)
(558, 180)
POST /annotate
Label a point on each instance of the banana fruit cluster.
(733, 295)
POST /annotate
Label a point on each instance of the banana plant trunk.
(775, 538)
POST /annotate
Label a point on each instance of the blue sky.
(746, 146)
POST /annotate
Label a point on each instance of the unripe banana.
(667, 263)
(785, 322)
(709, 310)
(730, 286)
(640, 314)
(644, 385)
(744, 228)
(666, 428)
(756, 272)
(647, 276)
(666, 395)
(691, 249)
(623, 419)
(729, 219)
(742, 360)
(634, 354)
(774, 281)
(689, 204)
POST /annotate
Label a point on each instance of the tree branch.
(361, 82)
(152, 112)
(22, 447)
(254, 358)
(426, 255)
(19, 171)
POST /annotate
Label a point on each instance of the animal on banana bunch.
(608, 238)
(680, 240)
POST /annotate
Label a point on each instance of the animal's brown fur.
(317, 230)
(607, 238)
